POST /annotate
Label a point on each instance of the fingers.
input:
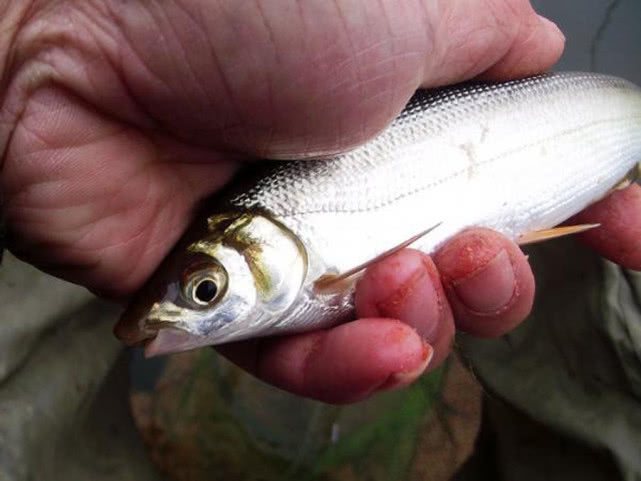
(405, 327)
(406, 324)
(618, 238)
(479, 280)
(407, 286)
(344, 364)
(488, 282)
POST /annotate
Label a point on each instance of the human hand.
(118, 118)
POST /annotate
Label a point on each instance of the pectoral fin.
(329, 283)
(547, 234)
(632, 176)
(338, 282)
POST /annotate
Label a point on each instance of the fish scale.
(517, 157)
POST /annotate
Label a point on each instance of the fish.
(280, 251)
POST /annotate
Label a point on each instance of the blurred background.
(602, 35)
(74, 406)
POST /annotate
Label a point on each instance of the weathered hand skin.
(123, 115)
(118, 118)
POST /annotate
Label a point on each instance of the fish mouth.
(133, 328)
(158, 337)
(155, 342)
(170, 341)
(133, 333)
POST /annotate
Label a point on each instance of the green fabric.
(564, 390)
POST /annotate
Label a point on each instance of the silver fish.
(517, 157)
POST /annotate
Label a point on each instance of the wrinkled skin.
(118, 118)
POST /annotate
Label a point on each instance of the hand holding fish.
(119, 118)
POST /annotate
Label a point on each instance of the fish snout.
(132, 328)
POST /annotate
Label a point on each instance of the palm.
(106, 206)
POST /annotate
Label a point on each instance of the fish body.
(516, 157)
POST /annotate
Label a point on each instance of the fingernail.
(401, 379)
(474, 291)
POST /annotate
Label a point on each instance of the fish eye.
(204, 284)
(205, 291)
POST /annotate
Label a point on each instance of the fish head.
(231, 283)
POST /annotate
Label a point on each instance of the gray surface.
(63, 396)
(602, 35)
(24, 293)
